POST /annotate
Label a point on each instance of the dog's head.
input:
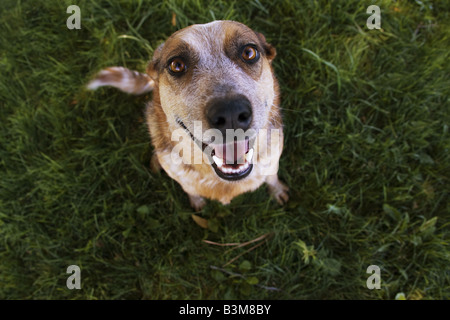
(218, 75)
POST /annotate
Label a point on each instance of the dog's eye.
(177, 65)
(250, 54)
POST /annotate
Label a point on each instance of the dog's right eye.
(250, 54)
(177, 66)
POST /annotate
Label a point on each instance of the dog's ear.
(269, 50)
(153, 66)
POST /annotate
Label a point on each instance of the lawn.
(366, 115)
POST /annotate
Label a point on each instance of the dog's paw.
(197, 202)
(280, 194)
(278, 190)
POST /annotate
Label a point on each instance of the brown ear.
(269, 50)
(153, 66)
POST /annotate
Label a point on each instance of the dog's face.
(218, 74)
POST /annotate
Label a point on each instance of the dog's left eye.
(177, 66)
(250, 54)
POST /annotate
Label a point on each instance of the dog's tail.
(124, 79)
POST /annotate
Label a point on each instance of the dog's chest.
(202, 181)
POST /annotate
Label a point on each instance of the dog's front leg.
(155, 166)
(277, 189)
(197, 202)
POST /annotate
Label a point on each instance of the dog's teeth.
(218, 161)
(233, 170)
(249, 155)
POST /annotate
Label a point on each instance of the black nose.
(229, 113)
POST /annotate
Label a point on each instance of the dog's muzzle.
(232, 159)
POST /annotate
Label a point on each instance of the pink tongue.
(231, 152)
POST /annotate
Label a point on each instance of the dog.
(209, 80)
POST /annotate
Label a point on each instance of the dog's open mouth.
(231, 161)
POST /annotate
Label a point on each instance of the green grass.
(366, 157)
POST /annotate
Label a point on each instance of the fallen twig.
(251, 241)
(240, 245)
(240, 255)
(220, 244)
